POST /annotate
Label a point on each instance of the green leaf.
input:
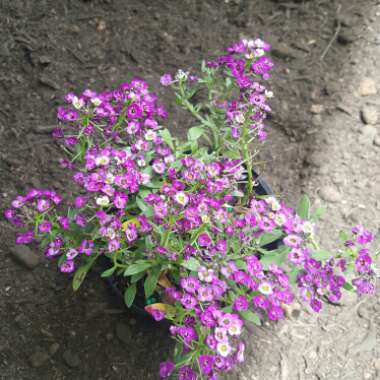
(293, 275)
(183, 359)
(234, 154)
(348, 286)
(303, 208)
(109, 272)
(227, 309)
(277, 257)
(321, 255)
(343, 236)
(144, 207)
(150, 283)
(130, 294)
(178, 349)
(137, 268)
(318, 213)
(82, 271)
(250, 316)
(191, 264)
(269, 237)
(195, 133)
(241, 264)
(167, 137)
(136, 277)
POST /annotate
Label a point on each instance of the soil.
(318, 143)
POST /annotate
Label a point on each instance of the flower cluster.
(183, 219)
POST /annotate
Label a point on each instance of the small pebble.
(53, 349)
(317, 109)
(367, 87)
(368, 133)
(123, 332)
(369, 114)
(330, 194)
(25, 256)
(38, 359)
(71, 359)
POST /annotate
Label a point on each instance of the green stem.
(189, 106)
(248, 162)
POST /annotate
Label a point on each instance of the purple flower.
(134, 111)
(158, 315)
(120, 200)
(293, 241)
(186, 373)
(260, 302)
(240, 303)
(188, 301)
(166, 80)
(67, 267)
(316, 304)
(207, 319)
(86, 247)
(190, 284)
(80, 220)
(166, 369)
(221, 246)
(240, 352)
(45, 227)
(204, 240)
(25, 237)
(113, 245)
(363, 262)
(71, 254)
(206, 363)
(43, 205)
(131, 233)
(64, 222)
(188, 334)
(363, 286)
(275, 313)
(80, 201)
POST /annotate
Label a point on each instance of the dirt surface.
(323, 51)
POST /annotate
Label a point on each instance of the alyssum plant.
(181, 221)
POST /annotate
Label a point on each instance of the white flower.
(239, 118)
(308, 228)
(102, 160)
(103, 201)
(269, 94)
(109, 178)
(265, 288)
(181, 75)
(234, 329)
(77, 103)
(273, 203)
(205, 218)
(259, 43)
(224, 349)
(96, 101)
(150, 135)
(259, 52)
(145, 178)
(280, 219)
(181, 198)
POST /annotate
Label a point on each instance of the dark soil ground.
(48, 48)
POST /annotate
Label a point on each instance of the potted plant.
(182, 223)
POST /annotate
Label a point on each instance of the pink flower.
(166, 80)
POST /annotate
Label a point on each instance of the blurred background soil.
(48, 48)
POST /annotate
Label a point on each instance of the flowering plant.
(182, 221)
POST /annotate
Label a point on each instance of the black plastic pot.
(117, 286)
